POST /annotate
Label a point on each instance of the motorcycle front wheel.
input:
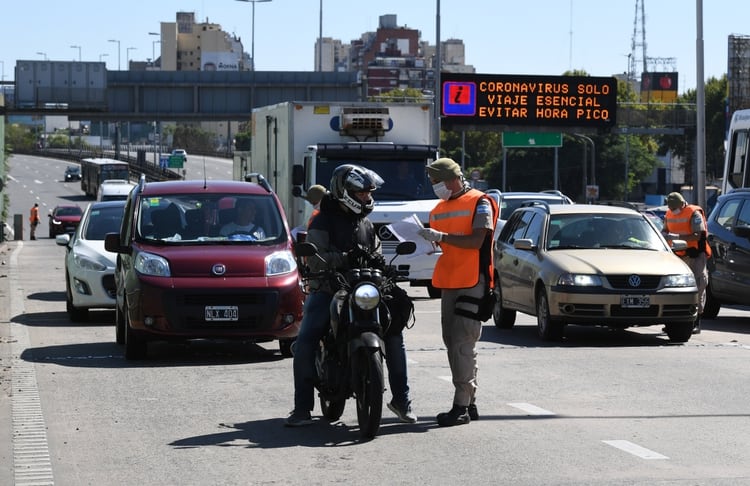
(369, 392)
(332, 409)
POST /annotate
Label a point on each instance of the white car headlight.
(279, 263)
(366, 296)
(85, 262)
(684, 280)
(579, 280)
(150, 264)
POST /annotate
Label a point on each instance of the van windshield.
(220, 218)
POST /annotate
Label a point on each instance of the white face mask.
(441, 191)
(677, 211)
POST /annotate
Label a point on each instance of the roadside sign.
(531, 139)
(175, 161)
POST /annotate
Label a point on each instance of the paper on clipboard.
(407, 230)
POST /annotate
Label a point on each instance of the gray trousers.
(460, 335)
(698, 266)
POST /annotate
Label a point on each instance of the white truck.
(298, 144)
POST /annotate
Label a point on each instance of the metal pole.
(320, 38)
(438, 85)
(699, 185)
(118, 52)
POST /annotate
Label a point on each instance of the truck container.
(298, 144)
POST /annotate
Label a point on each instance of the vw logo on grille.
(384, 233)
(219, 269)
(634, 281)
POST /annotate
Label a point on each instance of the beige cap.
(315, 194)
(675, 200)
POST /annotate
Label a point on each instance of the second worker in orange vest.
(462, 224)
(687, 222)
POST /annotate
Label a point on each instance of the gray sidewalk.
(6, 442)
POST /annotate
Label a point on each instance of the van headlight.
(279, 263)
(153, 265)
(366, 296)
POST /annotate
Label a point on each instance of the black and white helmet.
(348, 179)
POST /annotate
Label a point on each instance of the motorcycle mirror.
(305, 249)
(406, 248)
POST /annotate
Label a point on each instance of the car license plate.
(635, 301)
(221, 313)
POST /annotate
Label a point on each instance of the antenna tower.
(638, 47)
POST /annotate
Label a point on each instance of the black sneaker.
(298, 419)
(404, 413)
(473, 412)
(457, 415)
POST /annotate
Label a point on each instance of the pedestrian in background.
(34, 220)
(462, 223)
(687, 222)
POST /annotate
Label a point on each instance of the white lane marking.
(447, 378)
(531, 409)
(634, 449)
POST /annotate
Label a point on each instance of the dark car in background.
(64, 219)
(182, 273)
(729, 265)
(72, 173)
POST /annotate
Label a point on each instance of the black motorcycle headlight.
(366, 296)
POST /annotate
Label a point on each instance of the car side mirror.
(112, 243)
(742, 231)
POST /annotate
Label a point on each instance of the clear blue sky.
(500, 36)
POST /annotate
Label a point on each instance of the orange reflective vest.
(34, 216)
(682, 224)
(458, 268)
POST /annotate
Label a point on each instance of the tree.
(716, 125)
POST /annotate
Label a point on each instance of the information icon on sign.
(459, 98)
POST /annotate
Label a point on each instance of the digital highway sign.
(528, 101)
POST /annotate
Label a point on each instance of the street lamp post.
(43, 54)
(118, 51)
(79, 51)
(127, 56)
(252, 37)
(153, 46)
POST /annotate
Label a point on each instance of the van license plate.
(221, 313)
(635, 301)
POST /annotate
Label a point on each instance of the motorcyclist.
(342, 231)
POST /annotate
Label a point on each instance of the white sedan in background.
(89, 268)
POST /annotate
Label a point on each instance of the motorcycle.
(349, 359)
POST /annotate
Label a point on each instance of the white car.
(180, 153)
(89, 268)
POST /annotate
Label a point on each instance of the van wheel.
(119, 326)
(285, 346)
(135, 347)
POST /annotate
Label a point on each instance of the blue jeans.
(315, 322)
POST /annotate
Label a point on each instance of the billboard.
(571, 102)
(659, 87)
(220, 61)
